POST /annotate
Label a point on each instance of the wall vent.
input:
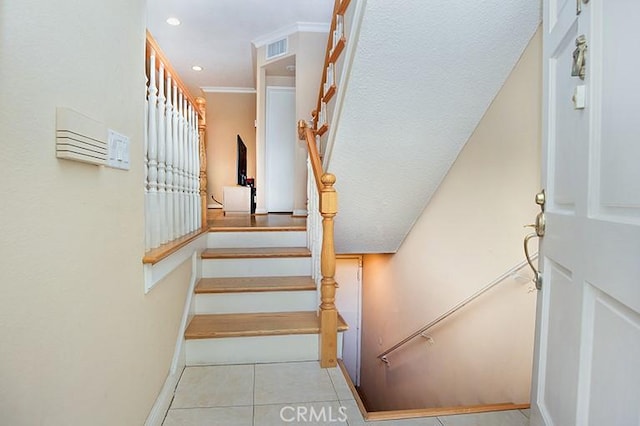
(80, 138)
(277, 48)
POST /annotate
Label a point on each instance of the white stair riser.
(257, 239)
(255, 349)
(268, 301)
(256, 267)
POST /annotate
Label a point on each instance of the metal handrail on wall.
(456, 308)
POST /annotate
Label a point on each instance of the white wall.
(470, 233)
(81, 342)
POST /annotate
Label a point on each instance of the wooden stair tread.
(288, 228)
(254, 284)
(255, 252)
(260, 324)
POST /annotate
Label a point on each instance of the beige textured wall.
(81, 342)
(283, 81)
(228, 115)
(470, 233)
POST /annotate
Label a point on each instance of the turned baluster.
(162, 168)
(181, 226)
(183, 160)
(187, 169)
(176, 164)
(195, 193)
(147, 224)
(169, 161)
(192, 168)
(152, 154)
(185, 165)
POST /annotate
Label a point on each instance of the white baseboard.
(300, 212)
(163, 401)
(161, 406)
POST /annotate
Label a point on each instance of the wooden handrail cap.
(328, 179)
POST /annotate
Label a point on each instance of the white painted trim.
(223, 89)
(156, 272)
(159, 410)
(349, 55)
(298, 27)
(300, 212)
(313, 27)
(261, 211)
(161, 406)
(196, 274)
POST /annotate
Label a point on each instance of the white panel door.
(348, 302)
(587, 363)
(280, 148)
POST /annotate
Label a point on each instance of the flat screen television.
(242, 162)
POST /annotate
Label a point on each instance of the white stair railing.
(172, 160)
(314, 225)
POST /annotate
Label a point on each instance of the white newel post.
(162, 158)
(152, 153)
(169, 161)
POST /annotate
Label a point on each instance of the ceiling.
(217, 35)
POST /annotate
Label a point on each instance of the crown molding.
(298, 27)
(220, 89)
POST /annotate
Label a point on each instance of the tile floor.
(289, 393)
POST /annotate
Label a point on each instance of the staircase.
(256, 301)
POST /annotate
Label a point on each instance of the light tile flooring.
(289, 393)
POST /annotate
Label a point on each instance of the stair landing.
(247, 223)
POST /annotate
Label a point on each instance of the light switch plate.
(579, 97)
(118, 150)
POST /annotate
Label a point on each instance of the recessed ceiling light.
(196, 68)
(173, 21)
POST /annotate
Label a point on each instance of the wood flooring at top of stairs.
(255, 252)
(258, 324)
(254, 284)
(256, 223)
